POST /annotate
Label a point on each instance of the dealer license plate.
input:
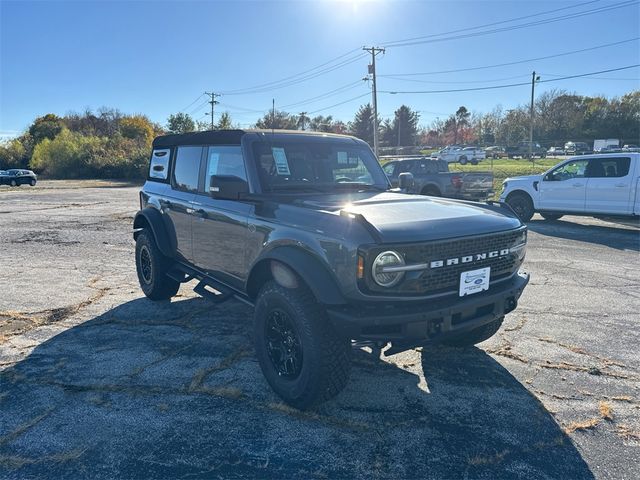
(474, 281)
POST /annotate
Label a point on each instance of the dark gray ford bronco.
(306, 228)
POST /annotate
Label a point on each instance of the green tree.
(225, 122)
(47, 126)
(278, 120)
(180, 123)
(321, 124)
(362, 124)
(12, 154)
(137, 127)
(403, 130)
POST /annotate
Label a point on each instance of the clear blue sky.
(157, 57)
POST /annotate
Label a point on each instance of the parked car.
(611, 149)
(433, 178)
(3, 175)
(577, 148)
(594, 185)
(523, 150)
(555, 151)
(630, 148)
(17, 177)
(462, 155)
(495, 152)
(304, 228)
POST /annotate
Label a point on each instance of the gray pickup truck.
(432, 177)
(307, 229)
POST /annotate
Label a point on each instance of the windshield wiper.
(298, 187)
(361, 186)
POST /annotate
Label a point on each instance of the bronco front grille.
(446, 278)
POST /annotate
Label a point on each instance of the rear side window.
(187, 169)
(608, 167)
(224, 160)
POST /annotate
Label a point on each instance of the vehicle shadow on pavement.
(610, 236)
(153, 390)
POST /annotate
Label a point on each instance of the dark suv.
(16, 177)
(306, 228)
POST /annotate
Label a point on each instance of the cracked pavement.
(98, 382)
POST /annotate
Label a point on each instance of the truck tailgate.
(480, 183)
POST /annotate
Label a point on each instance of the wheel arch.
(305, 266)
(151, 219)
(430, 187)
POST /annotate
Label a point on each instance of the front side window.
(608, 167)
(575, 169)
(317, 166)
(187, 169)
(225, 160)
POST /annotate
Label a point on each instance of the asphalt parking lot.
(98, 382)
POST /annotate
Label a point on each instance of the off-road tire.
(552, 217)
(325, 355)
(32, 183)
(152, 267)
(13, 183)
(522, 205)
(463, 160)
(477, 335)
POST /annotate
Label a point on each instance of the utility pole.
(372, 71)
(213, 102)
(534, 79)
(303, 119)
(273, 113)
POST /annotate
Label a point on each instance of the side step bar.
(207, 287)
(222, 295)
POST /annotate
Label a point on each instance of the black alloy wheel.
(283, 344)
(146, 267)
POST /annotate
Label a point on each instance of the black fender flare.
(153, 219)
(310, 269)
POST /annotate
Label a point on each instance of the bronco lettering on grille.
(469, 258)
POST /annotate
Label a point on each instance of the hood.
(524, 178)
(401, 218)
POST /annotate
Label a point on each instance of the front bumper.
(425, 322)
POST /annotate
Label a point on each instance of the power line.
(338, 104)
(389, 44)
(513, 63)
(494, 87)
(299, 77)
(438, 38)
(206, 102)
(347, 87)
(188, 106)
(453, 82)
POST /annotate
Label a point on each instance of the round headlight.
(387, 259)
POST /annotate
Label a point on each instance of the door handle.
(578, 185)
(621, 185)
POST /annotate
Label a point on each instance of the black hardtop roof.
(231, 137)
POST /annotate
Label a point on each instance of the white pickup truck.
(595, 185)
(462, 155)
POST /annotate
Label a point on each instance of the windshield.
(317, 166)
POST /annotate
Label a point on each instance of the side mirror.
(227, 187)
(549, 177)
(405, 180)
